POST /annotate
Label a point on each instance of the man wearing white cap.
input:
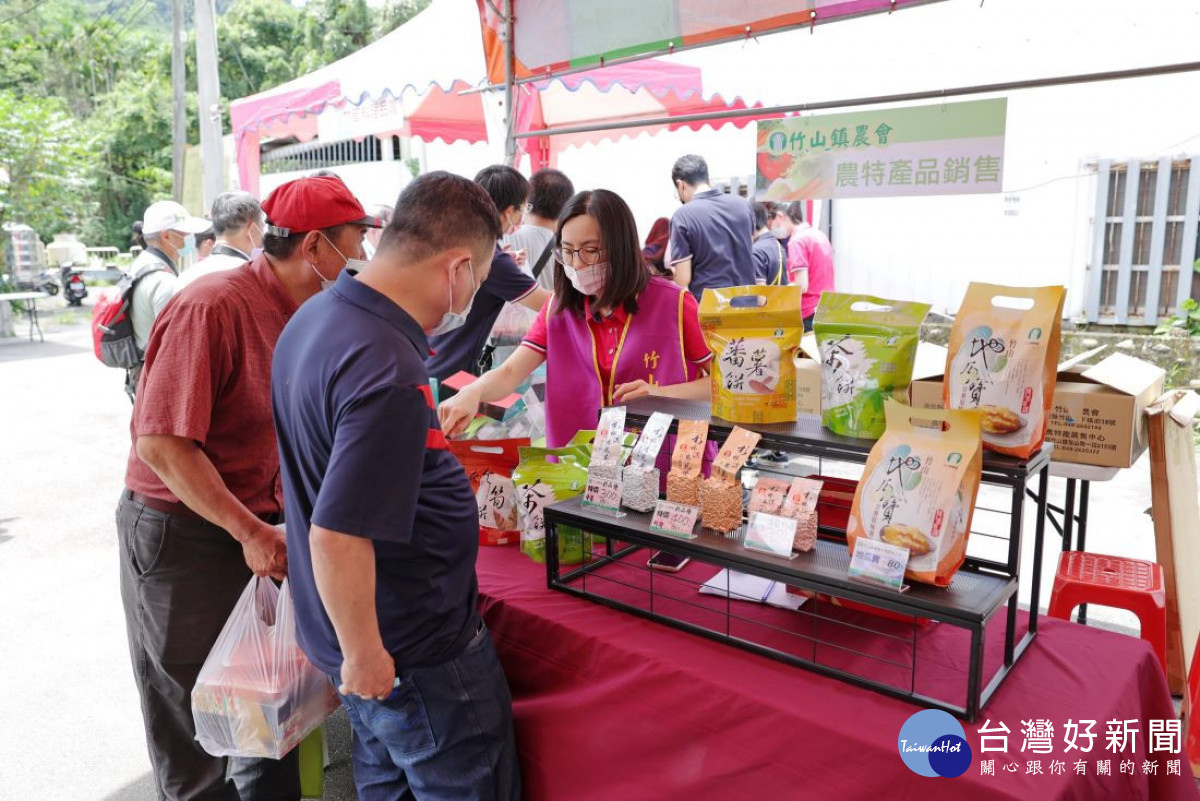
(170, 233)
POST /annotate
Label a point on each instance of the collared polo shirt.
(714, 230)
(460, 349)
(207, 378)
(770, 260)
(810, 249)
(362, 454)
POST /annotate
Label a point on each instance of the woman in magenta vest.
(611, 333)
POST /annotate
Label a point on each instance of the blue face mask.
(189, 247)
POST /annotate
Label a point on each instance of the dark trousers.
(180, 580)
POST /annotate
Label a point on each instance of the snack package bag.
(641, 478)
(1003, 360)
(257, 695)
(867, 346)
(721, 493)
(489, 465)
(918, 489)
(768, 495)
(540, 482)
(683, 482)
(800, 503)
(753, 332)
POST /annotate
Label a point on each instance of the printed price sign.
(770, 534)
(879, 562)
(603, 492)
(676, 519)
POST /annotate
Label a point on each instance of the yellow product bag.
(918, 489)
(753, 332)
(1003, 360)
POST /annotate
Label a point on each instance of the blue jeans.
(445, 733)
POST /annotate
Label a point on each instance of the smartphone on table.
(667, 562)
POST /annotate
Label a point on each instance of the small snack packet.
(1003, 361)
(918, 489)
(721, 493)
(801, 504)
(683, 482)
(868, 346)
(753, 332)
(641, 479)
(540, 483)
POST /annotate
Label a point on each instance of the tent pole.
(510, 88)
(931, 94)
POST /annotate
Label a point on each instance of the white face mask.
(452, 319)
(353, 265)
(255, 250)
(779, 232)
(589, 280)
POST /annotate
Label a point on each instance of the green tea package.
(540, 482)
(867, 348)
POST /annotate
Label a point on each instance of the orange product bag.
(919, 487)
(489, 465)
(1003, 360)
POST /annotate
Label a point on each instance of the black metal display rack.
(883, 654)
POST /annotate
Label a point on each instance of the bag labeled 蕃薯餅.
(867, 347)
(753, 333)
(489, 465)
(1003, 361)
(919, 487)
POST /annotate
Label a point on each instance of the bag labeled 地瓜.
(1003, 361)
(919, 487)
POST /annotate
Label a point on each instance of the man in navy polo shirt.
(461, 349)
(382, 530)
(711, 234)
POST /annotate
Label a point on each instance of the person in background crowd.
(710, 234)
(459, 344)
(170, 236)
(383, 213)
(655, 249)
(137, 238)
(770, 257)
(611, 333)
(205, 242)
(237, 221)
(202, 498)
(382, 525)
(810, 256)
(549, 190)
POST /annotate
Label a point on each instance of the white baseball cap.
(167, 215)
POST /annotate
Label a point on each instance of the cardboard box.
(1097, 417)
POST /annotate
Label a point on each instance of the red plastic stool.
(1192, 736)
(1132, 584)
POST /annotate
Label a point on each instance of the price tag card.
(603, 493)
(676, 519)
(879, 563)
(771, 534)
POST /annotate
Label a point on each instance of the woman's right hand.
(456, 413)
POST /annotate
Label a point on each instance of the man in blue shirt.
(382, 527)
(461, 349)
(711, 234)
(770, 256)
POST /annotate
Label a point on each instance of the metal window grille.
(324, 155)
(1144, 240)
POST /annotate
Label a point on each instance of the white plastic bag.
(257, 694)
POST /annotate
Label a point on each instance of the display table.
(30, 298)
(612, 706)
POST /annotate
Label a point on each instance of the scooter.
(74, 289)
(47, 282)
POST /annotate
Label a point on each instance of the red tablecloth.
(612, 706)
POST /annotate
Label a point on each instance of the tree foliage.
(85, 90)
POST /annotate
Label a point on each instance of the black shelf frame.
(981, 588)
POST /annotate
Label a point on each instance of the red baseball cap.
(308, 204)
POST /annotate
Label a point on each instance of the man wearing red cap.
(203, 495)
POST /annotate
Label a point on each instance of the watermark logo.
(932, 743)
